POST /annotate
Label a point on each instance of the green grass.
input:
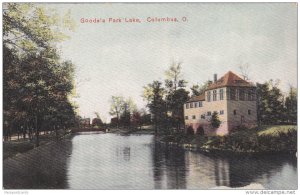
(10, 149)
(275, 130)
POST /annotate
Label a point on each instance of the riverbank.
(43, 167)
(16, 147)
(144, 130)
(260, 140)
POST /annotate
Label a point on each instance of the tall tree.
(129, 107)
(174, 77)
(117, 105)
(175, 102)
(291, 106)
(154, 94)
(176, 94)
(270, 103)
(41, 83)
(199, 89)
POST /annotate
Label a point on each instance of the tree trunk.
(156, 125)
(24, 132)
(37, 141)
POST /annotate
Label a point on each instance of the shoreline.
(263, 141)
(236, 144)
(221, 152)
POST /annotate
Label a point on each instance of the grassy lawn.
(275, 130)
(12, 148)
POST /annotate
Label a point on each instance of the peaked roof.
(230, 79)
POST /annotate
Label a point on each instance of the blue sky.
(119, 59)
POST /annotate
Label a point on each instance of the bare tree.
(245, 71)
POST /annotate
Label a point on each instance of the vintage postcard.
(149, 96)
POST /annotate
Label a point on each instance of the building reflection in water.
(169, 168)
(110, 161)
(175, 168)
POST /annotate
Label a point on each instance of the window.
(208, 113)
(221, 112)
(194, 117)
(234, 112)
(202, 116)
(249, 112)
(196, 104)
(200, 104)
(186, 117)
(214, 95)
(187, 106)
(242, 94)
(251, 95)
(191, 105)
(233, 94)
(221, 91)
(208, 96)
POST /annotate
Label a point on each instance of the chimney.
(215, 77)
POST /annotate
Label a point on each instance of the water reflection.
(140, 163)
(197, 171)
(108, 161)
(169, 167)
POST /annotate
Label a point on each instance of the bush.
(215, 121)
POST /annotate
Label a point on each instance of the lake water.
(110, 161)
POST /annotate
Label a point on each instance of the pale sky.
(121, 58)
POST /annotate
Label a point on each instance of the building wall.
(242, 108)
(212, 106)
(228, 120)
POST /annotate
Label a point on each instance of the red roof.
(230, 79)
(197, 98)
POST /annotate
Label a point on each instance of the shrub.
(215, 121)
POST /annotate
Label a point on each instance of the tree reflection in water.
(175, 168)
(109, 161)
